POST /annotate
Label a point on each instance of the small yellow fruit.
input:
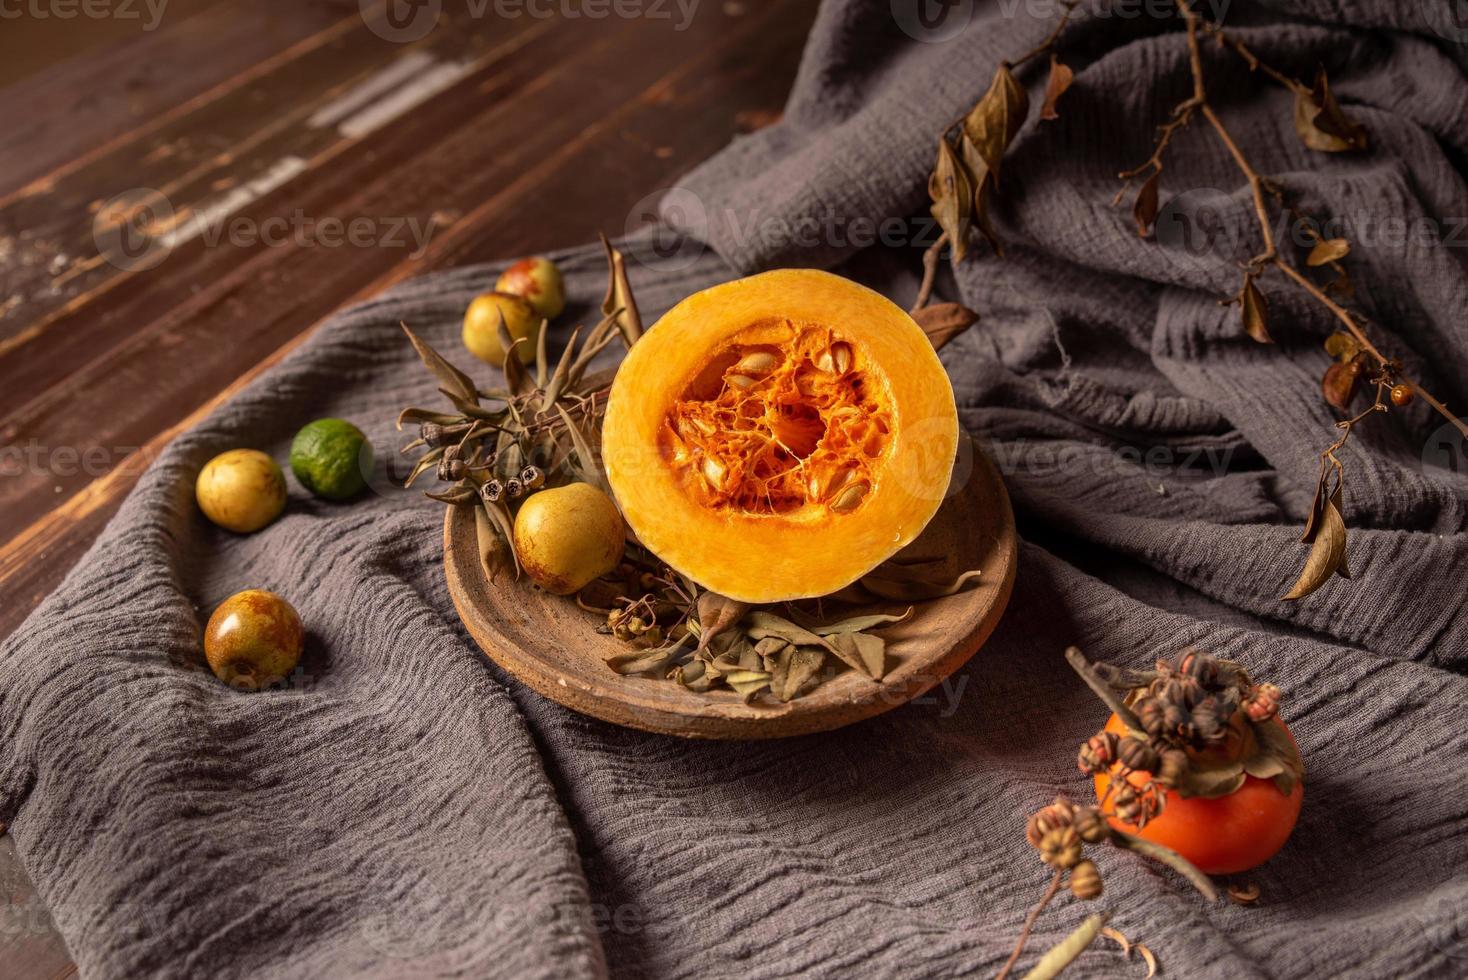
(241, 490)
(254, 639)
(481, 327)
(539, 282)
(567, 537)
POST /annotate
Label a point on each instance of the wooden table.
(488, 136)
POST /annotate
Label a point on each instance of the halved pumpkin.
(779, 436)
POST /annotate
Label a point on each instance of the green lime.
(331, 458)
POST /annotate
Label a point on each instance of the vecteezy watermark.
(683, 224)
(150, 12)
(934, 21)
(404, 21)
(137, 229)
(1446, 451)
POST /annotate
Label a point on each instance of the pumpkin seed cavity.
(783, 424)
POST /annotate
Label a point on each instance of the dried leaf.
(1255, 312)
(645, 661)
(1317, 508)
(1339, 385)
(886, 584)
(804, 664)
(993, 123)
(1321, 122)
(1327, 551)
(1060, 79)
(425, 463)
(449, 376)
(716, 613)
(760, 624)
(499, 516)
(983, 184)
(1169, 857)
(1276, 757)
(1144, 209)
(417, 416)
(944, 321)
(495, 550)
(853, 624)
(619, 302)
(953, 198)
(589, 467)
(1342, 346)
(748, 682)
(557, 383)
(458, 494)
(1061, 955)
(1328, 250)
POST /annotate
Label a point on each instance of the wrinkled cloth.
(402, 808)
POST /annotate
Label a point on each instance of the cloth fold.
(403, 808)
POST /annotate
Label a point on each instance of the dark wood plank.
(94, 94)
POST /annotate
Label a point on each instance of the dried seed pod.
(651, 637)
(532, 478)
(432, 434)
(1098, 753)
(1090, 825)
(1053, 817)
(1136, 754)
(637, 625)
(1201, 667)
(1262, 703)
(493, 491)
(1149, 712)
(1402, 395)
(514, 489)
(450, 469)
(1085, 880)
(1061, 848)
(1208, 721)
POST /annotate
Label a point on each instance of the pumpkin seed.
(758, 362)
(841, 355)
(848, 499)
(714, 472)
(741, 380)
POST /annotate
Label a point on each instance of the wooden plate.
(551, 644)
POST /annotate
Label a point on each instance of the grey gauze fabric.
(403, 809)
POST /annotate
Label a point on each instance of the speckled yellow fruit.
(241, 490)
(567, 537)
(481, 327)
(254, 640)
(539, 282)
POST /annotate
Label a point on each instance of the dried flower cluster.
(497, 445)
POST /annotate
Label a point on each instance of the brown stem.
(1024, 933)
(1044, 46)
(930, 272)
(1270, 255)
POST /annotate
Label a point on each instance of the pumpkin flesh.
(777, 437)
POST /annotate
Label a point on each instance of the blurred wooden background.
(484, 136)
